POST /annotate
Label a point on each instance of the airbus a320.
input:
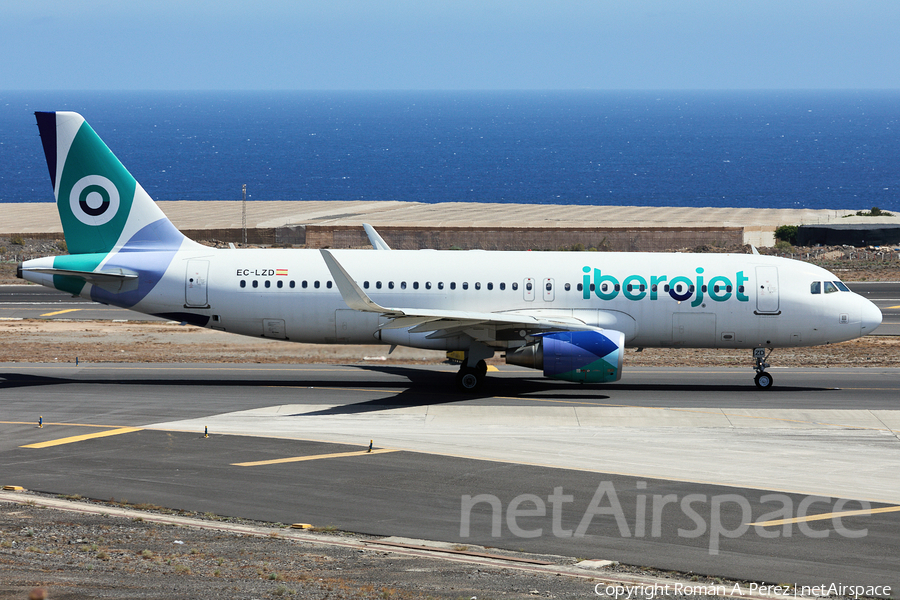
(568, 314)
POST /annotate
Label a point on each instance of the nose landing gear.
(763, 379)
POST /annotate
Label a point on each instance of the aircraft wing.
(443, 323)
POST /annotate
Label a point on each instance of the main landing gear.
(763, 379)
(474, 368)
(469, 379)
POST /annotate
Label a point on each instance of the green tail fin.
(100, 204)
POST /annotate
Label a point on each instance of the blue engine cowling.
(584, 356)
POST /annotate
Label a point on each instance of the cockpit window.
(815, 287)
(830, 288)
(841, 286)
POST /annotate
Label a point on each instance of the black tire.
(469, 380)
(481, 368)
(764, 380)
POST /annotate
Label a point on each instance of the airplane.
(568, 314)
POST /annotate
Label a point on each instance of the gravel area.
(48, 341)
(128, 554)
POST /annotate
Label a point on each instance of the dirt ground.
(47, 341)
(112, 549)
(73, 556)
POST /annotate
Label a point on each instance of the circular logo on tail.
(94, 200)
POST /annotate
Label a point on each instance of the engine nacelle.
(585, 356)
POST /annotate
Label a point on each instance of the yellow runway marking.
(849, 513)
(81, 438)
(278, 461)
(898, 306)
(60, 312)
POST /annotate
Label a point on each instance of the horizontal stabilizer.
(114, 280)
(95, 277)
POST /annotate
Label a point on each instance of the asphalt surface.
(38, 302)
(886, 296)
(666, 470)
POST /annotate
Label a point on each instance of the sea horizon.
(820, 149)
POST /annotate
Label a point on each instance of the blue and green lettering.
(680, 288)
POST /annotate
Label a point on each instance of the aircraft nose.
(869, 317)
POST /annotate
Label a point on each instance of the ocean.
(775, 149)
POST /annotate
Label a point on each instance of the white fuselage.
(737, 301)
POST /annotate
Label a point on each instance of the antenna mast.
(244, 215)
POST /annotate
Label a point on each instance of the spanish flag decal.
(282, 272)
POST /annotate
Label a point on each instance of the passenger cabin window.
(427, 285)
(477, 285)
(515, 286)
(378, 285)
(280, 284)
(815, 287)
(243, 283)
(365, 285)
(502, 286)
(328, 284)
(316, 284)
(440, 285)
(293, 284)
(830, 288)
(303, 284)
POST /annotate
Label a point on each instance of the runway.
(667, 470)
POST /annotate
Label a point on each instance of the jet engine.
(584, 356)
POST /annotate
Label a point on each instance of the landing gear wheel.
(481, 368)
(763, 380)
(469, 379)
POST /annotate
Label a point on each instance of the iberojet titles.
(681, 288)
